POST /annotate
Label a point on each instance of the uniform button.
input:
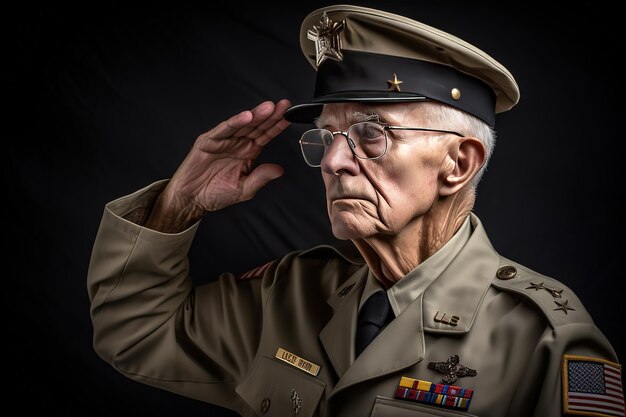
(265, 405)
(506, 272)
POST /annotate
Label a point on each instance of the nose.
(339, 157)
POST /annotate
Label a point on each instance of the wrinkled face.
(381, 196)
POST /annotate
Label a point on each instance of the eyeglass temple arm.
(423, 129)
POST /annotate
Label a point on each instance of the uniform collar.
(453, 281)
(455, 293)
(415, 282)
(461, 286)
(459, 274)
(459, 290)
(405, 291)
(371, 286)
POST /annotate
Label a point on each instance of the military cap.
(367, 55)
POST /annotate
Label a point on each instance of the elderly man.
(423, 318)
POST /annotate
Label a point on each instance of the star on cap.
(327, 39)
(563, 306)
(394, 83)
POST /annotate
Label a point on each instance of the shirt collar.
(415, 282)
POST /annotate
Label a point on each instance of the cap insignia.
(327, 38)
(394, 83)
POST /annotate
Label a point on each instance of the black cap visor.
(308, 112)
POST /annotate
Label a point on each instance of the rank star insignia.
(394, 83)
(555, 293)
(536, 287)
(563, 306)
(452, 369)
(327, 38)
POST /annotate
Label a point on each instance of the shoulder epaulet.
(558, 303)
(343, 248)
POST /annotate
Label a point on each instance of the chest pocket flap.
(276, 389)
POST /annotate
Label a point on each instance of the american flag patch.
(592, 387)
(426, 392)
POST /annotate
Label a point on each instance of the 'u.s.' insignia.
(426, 392)
(592, 386)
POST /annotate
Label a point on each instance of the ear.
(465, 158)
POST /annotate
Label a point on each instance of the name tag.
(297, 361)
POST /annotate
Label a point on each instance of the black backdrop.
(106, 100)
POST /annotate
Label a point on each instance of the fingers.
(231, 127)
(257, 127)
(258, 178)
(254, 130)
(271, 133)
(260, 114)
(252, 123)
(273, 125)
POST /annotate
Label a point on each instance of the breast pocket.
(389, 407)
(274, 389)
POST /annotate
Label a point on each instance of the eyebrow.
(366, 115)
(358, 116)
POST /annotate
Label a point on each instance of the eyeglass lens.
(367, 140)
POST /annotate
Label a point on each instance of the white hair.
(449, 118)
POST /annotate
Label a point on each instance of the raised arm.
(149, 321)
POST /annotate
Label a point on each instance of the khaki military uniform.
(218, 342)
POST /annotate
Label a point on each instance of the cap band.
(367, 77)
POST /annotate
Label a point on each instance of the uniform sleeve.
(543, 390)
(150, 322)
(565, 373)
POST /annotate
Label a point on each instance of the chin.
(348, 228)
(344, 234)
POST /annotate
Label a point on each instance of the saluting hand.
(218, 172)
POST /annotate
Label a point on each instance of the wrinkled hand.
(218, 172)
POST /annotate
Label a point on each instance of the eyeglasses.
(367, 140)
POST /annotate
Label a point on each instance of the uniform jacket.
(218, 342)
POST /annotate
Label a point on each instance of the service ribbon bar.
(436, 394)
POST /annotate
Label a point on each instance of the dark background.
(107, 99)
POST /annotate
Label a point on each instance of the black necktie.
(374, 315)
